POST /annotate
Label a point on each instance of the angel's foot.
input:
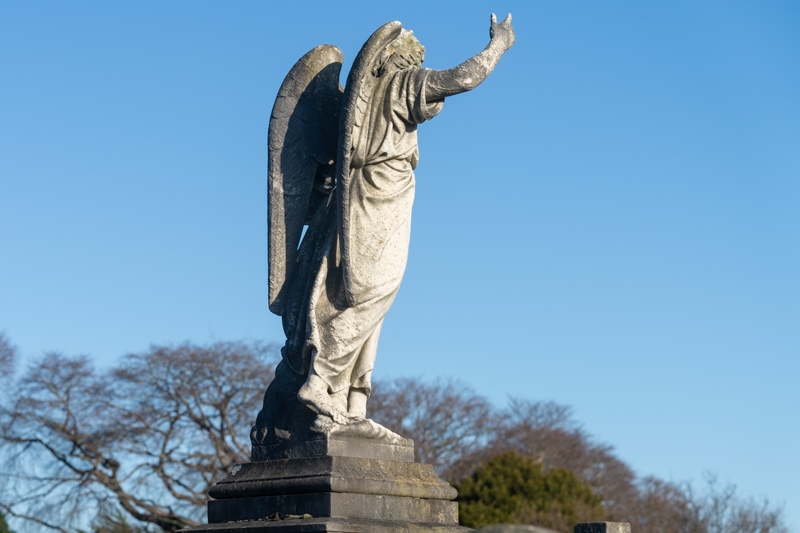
(314, 394)
(357, 404)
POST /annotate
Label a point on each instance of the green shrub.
(514, 489)
(3, 525)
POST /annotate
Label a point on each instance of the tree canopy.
(511, 488)
(138, 445)
(150, 435)
(3, 525)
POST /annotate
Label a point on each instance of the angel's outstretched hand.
(502, 32)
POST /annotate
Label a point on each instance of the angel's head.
(403, 53)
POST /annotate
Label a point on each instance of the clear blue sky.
(610, 221)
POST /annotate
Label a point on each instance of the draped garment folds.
(337, 335)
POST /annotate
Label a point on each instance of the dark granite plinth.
(331, 474)
(513, 528)
(339, 483)
(325, 525)
(336, 504)
(348, 487)
(324, 445)
(603, 527)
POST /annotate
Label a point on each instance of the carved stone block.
(603, 527)
(334, 484)
(337, 446)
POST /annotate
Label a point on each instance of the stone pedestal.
(603, 527)
(329, 484)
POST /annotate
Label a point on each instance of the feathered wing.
(303, 136)
(360, 85)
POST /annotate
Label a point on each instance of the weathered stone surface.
(513, 528)
(382, 492)
(336, 445)
(333, 474)
(325, 525)
(341, 190)
(603, 527)
(340, 505)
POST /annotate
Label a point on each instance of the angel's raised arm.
(470, 73)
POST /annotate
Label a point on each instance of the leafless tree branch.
(153, 434)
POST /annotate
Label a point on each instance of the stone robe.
(340, 337)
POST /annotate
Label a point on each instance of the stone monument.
(584, 527)
(341, 188)
(603, 527)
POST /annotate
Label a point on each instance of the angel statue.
(341, 187)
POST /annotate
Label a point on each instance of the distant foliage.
(456, 430)
(445, 419)
(515, 489)
(7, 356)
(459, 431)
(117, 522)
(3, 525)
(137, 446)
(664, 507)
(150, 435)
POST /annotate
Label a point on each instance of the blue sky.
(610, 221)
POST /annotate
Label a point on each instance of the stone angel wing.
(361, 83)
(303, 138)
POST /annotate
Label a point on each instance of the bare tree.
(146, 439)
(547, 433)
(150, 435)
(666, 507)
(117, 521)
(721, 510)
(457, 431)
(446, 419)
(7, 356)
